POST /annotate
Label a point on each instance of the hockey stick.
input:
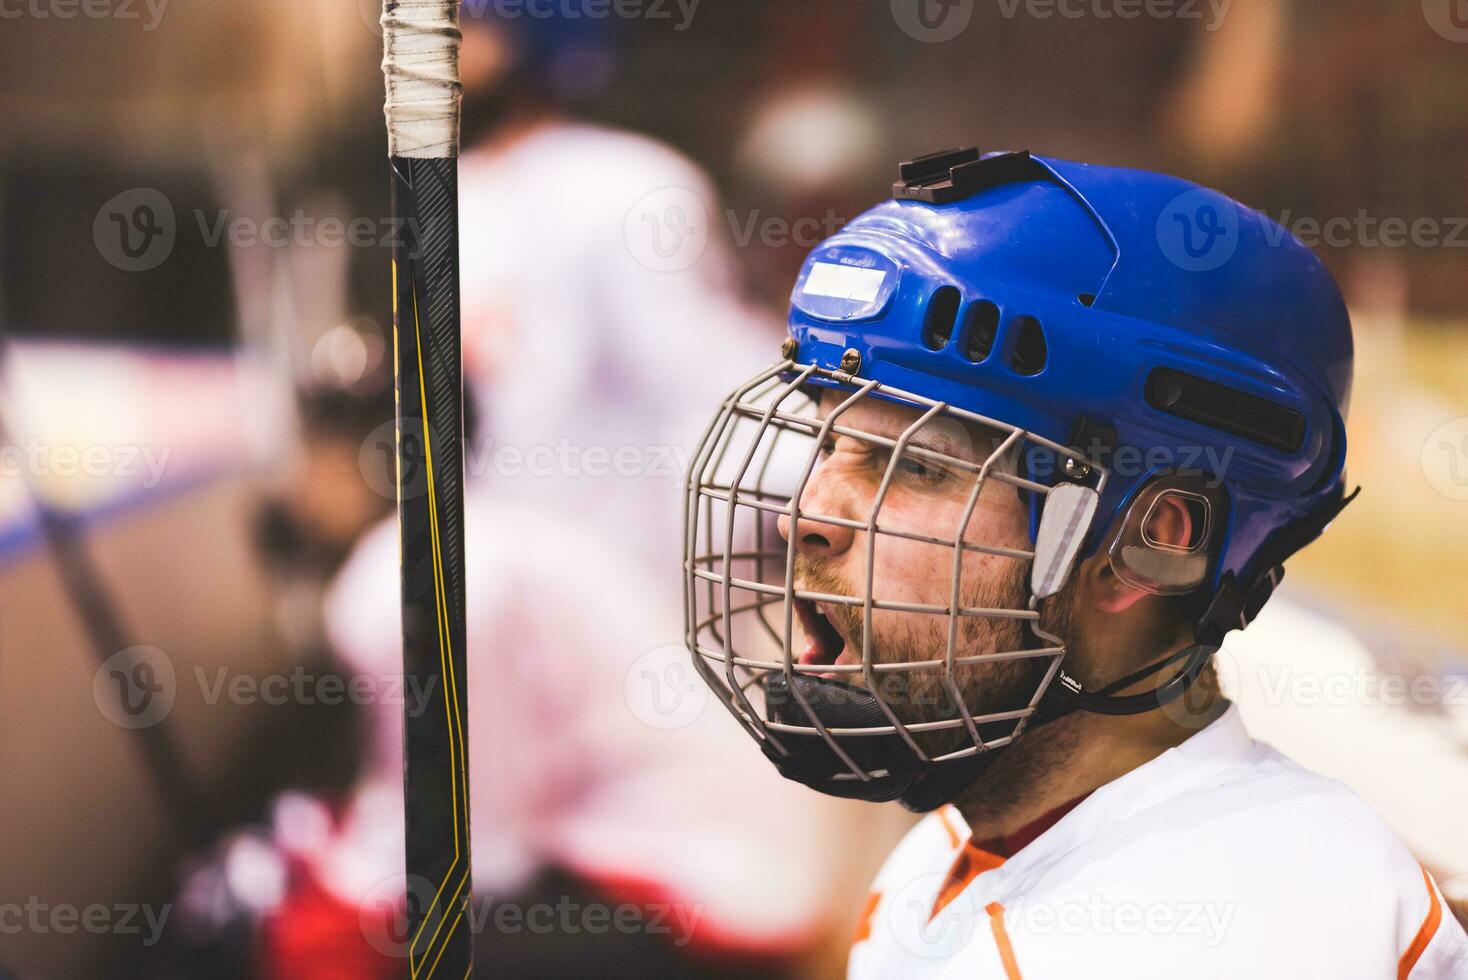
(420, 65)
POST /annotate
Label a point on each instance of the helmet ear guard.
(1143, 556)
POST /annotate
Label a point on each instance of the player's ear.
(1169, 524)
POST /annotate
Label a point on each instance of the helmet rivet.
(851, 361)
(1075, 469)
(789, 349)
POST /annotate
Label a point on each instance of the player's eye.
(923, 472)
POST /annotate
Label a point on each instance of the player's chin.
(925, 695)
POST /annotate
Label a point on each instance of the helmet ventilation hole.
(942, 315)
(1028, 355)
(980, 326)
(1086, 299)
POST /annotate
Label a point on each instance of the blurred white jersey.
(1308, 685)
(600, 313)
(593, 746)
(1221, 858)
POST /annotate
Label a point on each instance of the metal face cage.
(752, 470)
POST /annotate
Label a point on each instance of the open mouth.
(824, 644)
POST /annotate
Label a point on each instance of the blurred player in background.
(598, 777)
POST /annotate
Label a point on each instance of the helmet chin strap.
(900, 775)
(1072, 695)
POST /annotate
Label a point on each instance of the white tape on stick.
(421, 67)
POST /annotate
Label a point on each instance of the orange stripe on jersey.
(972, 862)
(1001, 939)
(1424, 934)
(943, 818)
(864, 924)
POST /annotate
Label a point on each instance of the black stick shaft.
(431, 516)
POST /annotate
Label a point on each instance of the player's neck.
(1070, 758)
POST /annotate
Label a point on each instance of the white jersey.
(1220, 858)
(576, 763)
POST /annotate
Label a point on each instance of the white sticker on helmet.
(844, 282)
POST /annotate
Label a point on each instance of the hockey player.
(1042, 434)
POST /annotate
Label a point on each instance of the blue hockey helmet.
(1122, 335)
(1157, 323)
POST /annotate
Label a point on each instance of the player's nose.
(814, 536)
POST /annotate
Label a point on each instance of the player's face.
(926, 497)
